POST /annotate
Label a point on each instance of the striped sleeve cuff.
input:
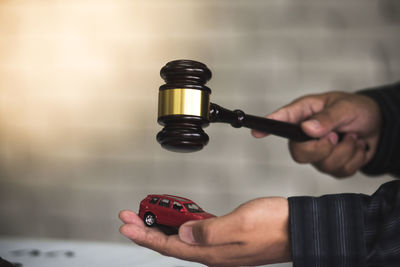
(327, 231)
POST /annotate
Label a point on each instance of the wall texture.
(78, 101)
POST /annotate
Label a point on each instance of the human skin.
(255, 233)
(323, 116)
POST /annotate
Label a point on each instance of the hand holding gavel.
(184, 108)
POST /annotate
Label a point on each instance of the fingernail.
(258, 134)
(333, 138)
(312, 124)
(186, 234)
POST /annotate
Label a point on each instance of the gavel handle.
(238, 118)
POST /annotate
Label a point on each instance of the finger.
(294, 112)
(300, 109)
(357, 161)
(278, 115)
(339, 156)
(214, 231)
(128, 216)
(347, 158)
(144, 236)
(328, 120)
(258, 134)
(151, 238)
(313, 151)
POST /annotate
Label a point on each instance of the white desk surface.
(59, 253)
(29, 252)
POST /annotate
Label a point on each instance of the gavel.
(184, 109)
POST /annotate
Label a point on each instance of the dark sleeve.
(387, 156)
(347, 230)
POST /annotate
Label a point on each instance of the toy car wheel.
(149, 219)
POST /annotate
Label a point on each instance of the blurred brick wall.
(78, 99)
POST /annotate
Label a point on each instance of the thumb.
(214, 231)
(326, 121)
(290, 113)
(186, 232)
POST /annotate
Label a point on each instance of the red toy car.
(170, 210)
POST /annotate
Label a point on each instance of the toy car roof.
(182, 199)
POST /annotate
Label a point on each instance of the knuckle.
(346, 102)
(326, 167)
(343, 172)
(299, 159)
(299, 152)
(311, 97)
(307, 149)
(349, 170)
(339, 175)
(296, 157)
(336, 96)
(310, 152)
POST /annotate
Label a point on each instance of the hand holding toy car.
(256, 233)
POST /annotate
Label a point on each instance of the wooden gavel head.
(184, 106)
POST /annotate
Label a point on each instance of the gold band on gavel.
(183, 101)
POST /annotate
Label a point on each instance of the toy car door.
(164, 211)
(177, 216)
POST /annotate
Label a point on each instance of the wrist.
(373, 135)
(282, 244)
(383, 159)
